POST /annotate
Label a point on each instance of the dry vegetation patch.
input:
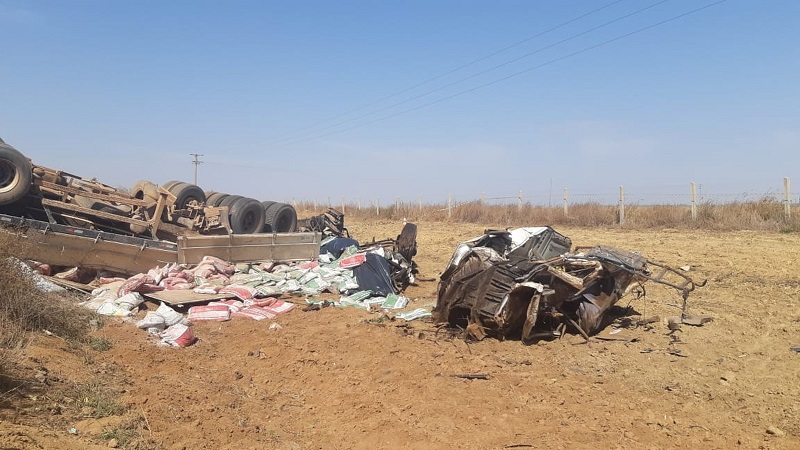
(766, 214)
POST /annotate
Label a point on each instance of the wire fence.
(693, 198)
(538, 198)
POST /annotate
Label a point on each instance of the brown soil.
(333, 379)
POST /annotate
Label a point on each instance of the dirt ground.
(333, 379)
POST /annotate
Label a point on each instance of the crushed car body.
(526, 283)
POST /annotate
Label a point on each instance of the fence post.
(359, 203)
(377, 207)
(483, 198)
(519, 201)
(449, 206)
(694, 201)
(343, 205)
(621, 205)
(397, 204)
(329, 201)
(787, 208)
(420, 204)
(315, 206)
(566, 202)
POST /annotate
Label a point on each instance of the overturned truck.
(75, 221)
(526, 283)
(148, 210)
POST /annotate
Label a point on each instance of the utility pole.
(196, 163)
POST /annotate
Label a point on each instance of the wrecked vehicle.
(148, 210)
(526, 283)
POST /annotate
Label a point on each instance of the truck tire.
(187, 194)
(169, 184)
(145, 190)
(246, 216)
(16, 175)
(280, 218)
(213, 198)
(266, 228)
(228, 201)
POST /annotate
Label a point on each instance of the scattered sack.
(241, 292)
(171, 317)
(233, 305)
(353, 261)
(394, 301)
(130, 301)
(254, 312)
(260, 302)
(101, 295)
(112, 309)
(152, 320)
(178, 335)
(207, 289)
(219, 313)
(415, 314)
(40, 268)
(279, 307)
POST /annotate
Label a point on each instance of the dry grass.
(24, 309)
(130, 434)
(766, 215)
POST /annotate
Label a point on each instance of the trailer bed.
(63, 245)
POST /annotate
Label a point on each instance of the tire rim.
(249, 221)
(283, 223)
(9, 176)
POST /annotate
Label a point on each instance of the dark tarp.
(374, 275)
(337, 246)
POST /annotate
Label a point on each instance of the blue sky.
(361, 100)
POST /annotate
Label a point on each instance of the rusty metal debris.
(329, 223)
(525, 283)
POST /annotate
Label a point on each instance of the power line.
(442, 75)
(433, 91)
(548, 63)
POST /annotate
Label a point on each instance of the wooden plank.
(185, 297)
(68, 284)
